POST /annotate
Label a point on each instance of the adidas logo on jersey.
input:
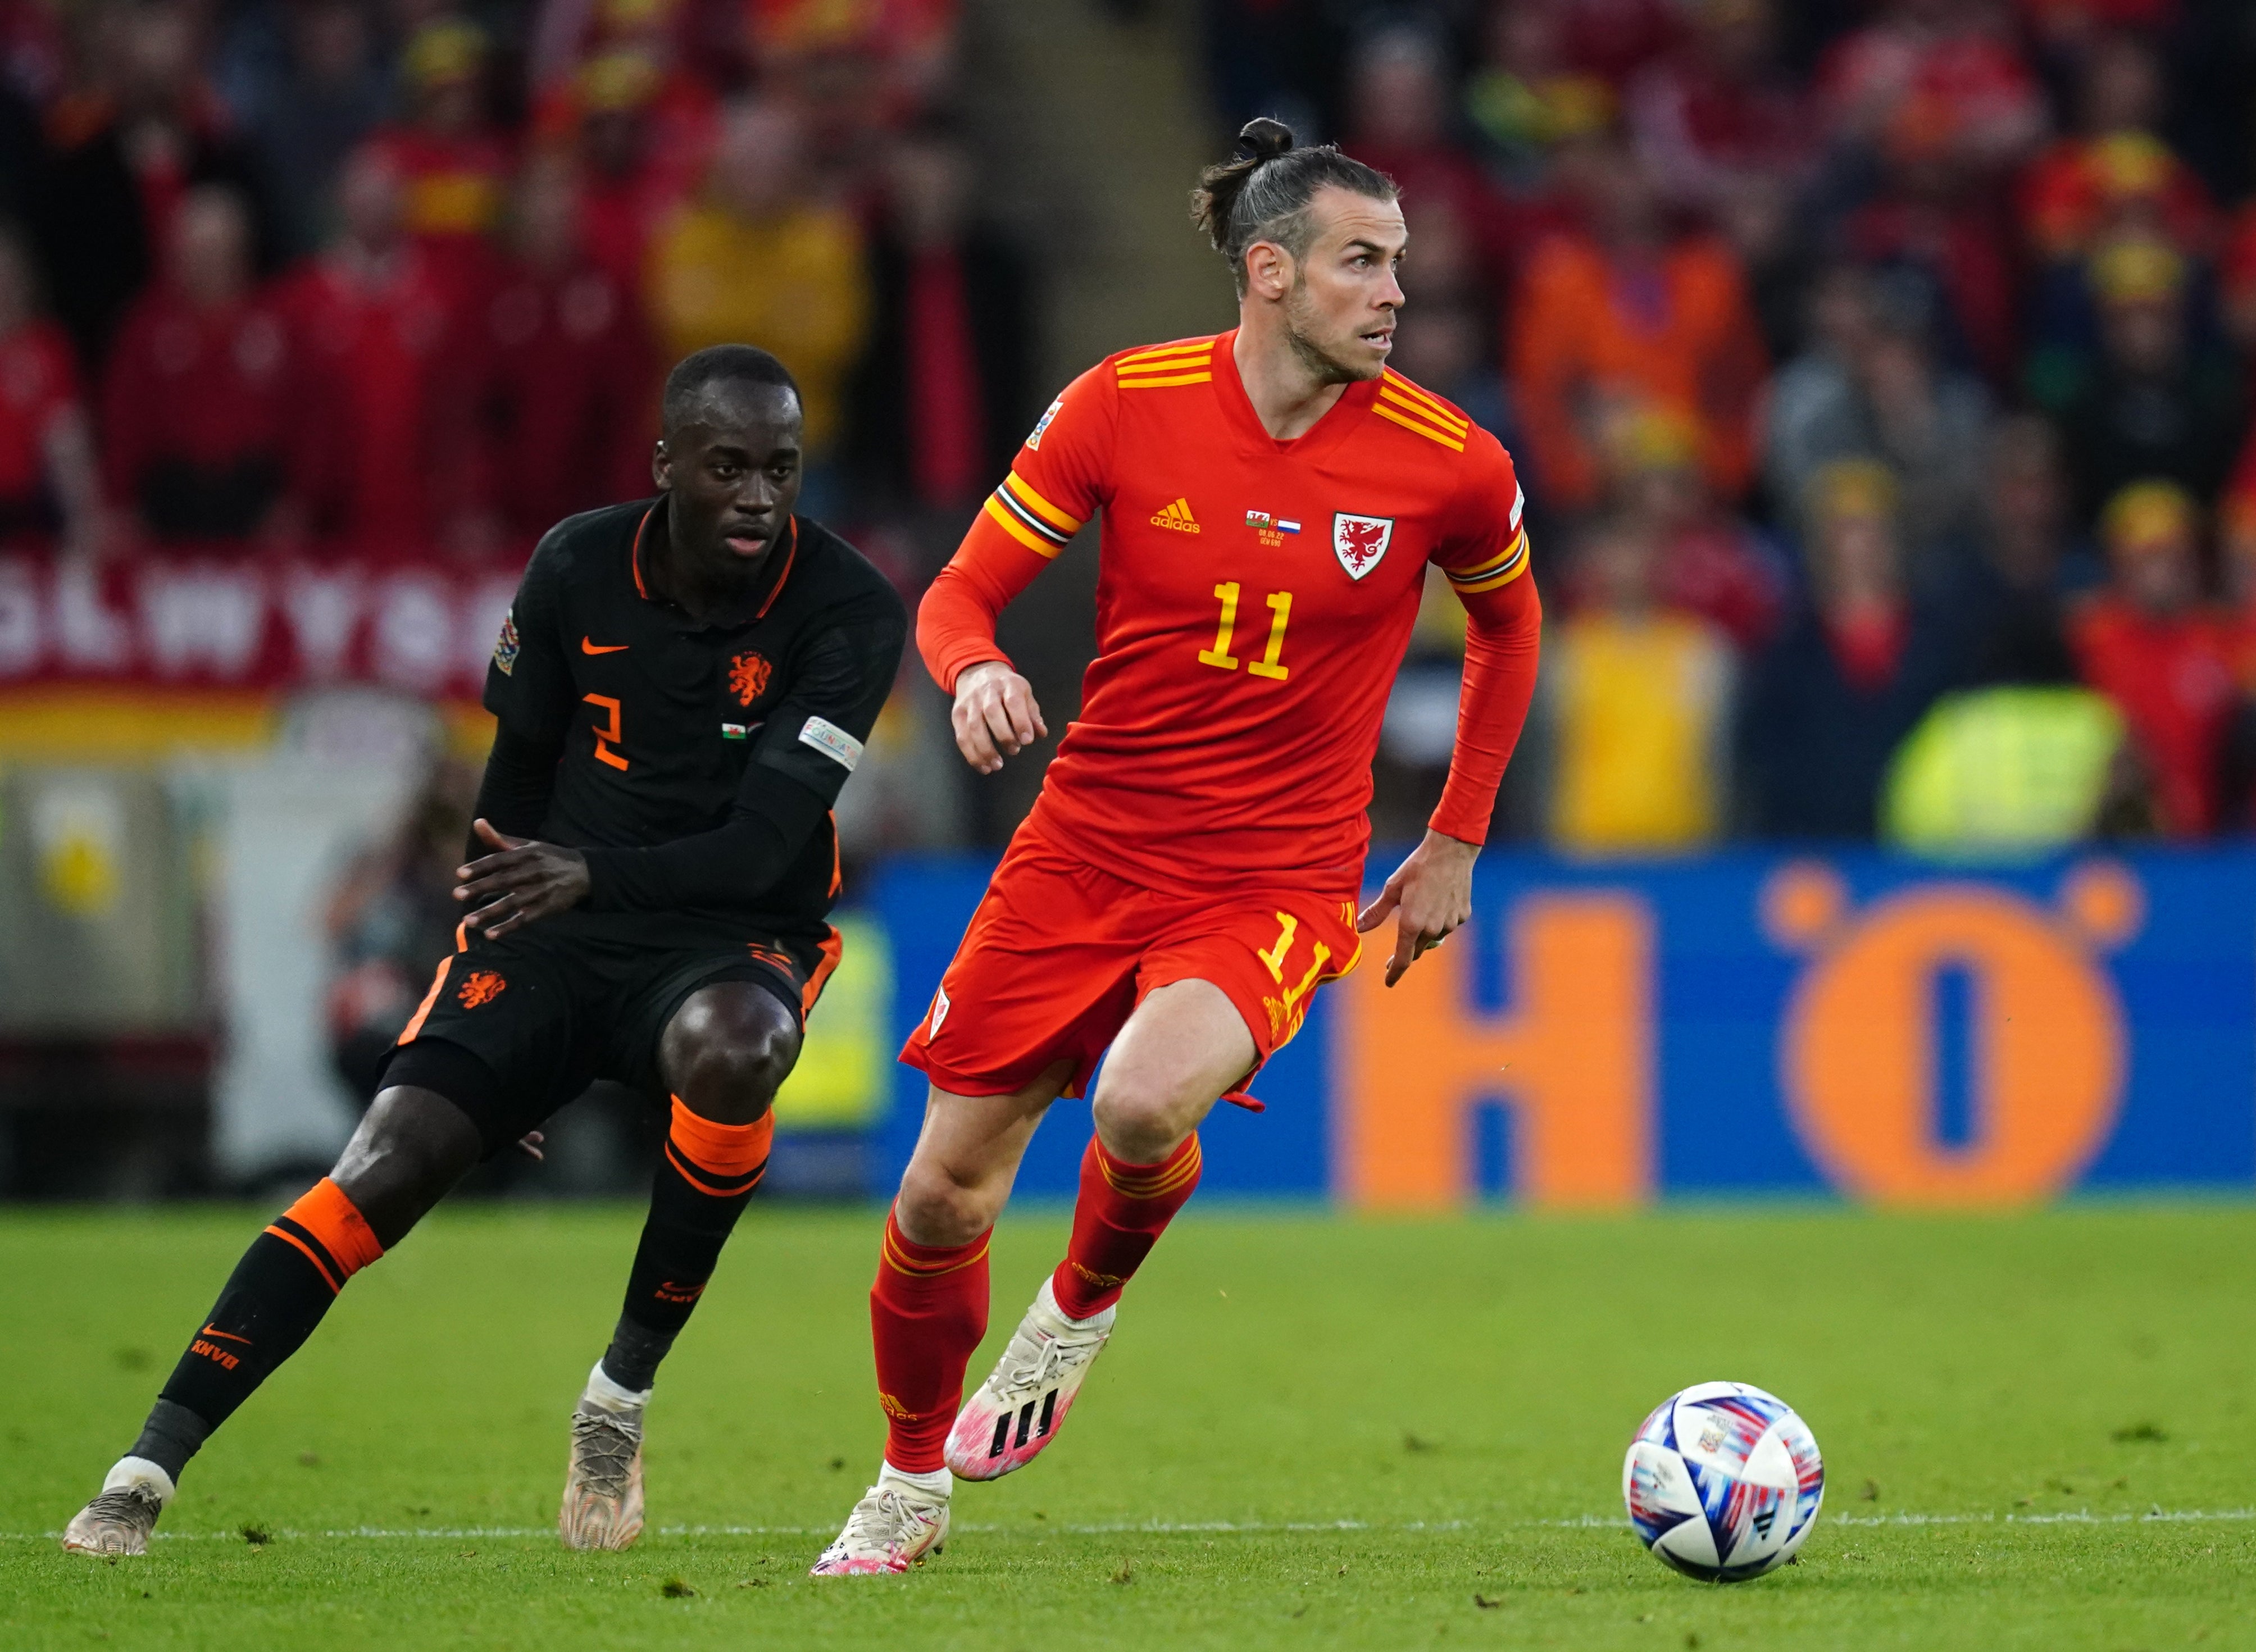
(1176, 515)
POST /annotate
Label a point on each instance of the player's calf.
(276, 1295)
(728, 1050)
(411, 1148)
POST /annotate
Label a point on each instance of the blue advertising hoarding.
(1749, 1023)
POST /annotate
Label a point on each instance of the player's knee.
(934, 1208)
(730, 1054)
(1141, 1122)
(734, 1082)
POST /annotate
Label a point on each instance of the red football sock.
(927, 1312)
(1121, 1211)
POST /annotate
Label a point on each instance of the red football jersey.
(1254, 600)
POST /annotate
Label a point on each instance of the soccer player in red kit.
(1270, 499)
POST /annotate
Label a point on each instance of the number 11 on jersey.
(1270, 663)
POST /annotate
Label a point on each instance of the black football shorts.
(512, 1029)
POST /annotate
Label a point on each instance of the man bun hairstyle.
(720, 364)
(1263, 192)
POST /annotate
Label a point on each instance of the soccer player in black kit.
(681, 688)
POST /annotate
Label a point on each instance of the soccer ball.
(1723, 1482)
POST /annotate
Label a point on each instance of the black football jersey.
(665, 722)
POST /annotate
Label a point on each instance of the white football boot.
(121, 1517)
(1023, 1403)
(894, 1526)
(603, 1486)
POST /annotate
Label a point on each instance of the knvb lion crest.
(1360, 541)
(484, 987)
(748, 676)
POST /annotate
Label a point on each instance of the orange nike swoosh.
(587, 647)
(224, 1336)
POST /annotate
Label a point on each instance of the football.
(1723, 1482)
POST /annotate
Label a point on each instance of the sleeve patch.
(1034, 441)
(506, 647)
(832, 742)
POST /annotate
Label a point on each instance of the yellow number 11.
(1280, 611)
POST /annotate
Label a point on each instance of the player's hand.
(526, 880)
(1429, 895)
(996, 716)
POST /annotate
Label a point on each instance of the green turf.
(1309, 1432)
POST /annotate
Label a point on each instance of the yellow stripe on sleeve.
(1019, 530)
(1515, 564)
(1481, 570)
(1023, 490)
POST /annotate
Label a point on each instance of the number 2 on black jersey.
(608, 737)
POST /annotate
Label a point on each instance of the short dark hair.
(1262, 193)
(720, 364)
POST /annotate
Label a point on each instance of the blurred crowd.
(393, 277)
(1879, 369)
(1879, 374)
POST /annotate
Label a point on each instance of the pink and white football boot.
(892, 1529)
(1023, 1403)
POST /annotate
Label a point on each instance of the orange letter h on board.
(1573, 1058)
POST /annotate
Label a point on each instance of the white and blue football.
(1723, 1482)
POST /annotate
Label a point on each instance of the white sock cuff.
(140, 1471)
(609, 1397)
(939, 1483)
(1045, 1300)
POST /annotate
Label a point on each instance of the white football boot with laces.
(602, 1486)
(893, 1528)
(1023, 1403)
(121, 1517)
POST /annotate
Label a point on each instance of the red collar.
(1254, 437)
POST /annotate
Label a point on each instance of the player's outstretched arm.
(996, 716)
(1430, 893)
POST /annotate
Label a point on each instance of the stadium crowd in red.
(1879, 369)
(1880, 373)
(365, 278)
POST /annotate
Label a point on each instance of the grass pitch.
(2039, 1432)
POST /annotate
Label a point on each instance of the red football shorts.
(1060, 954)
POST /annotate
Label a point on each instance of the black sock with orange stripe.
(276, 1295)
(705, 1179)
